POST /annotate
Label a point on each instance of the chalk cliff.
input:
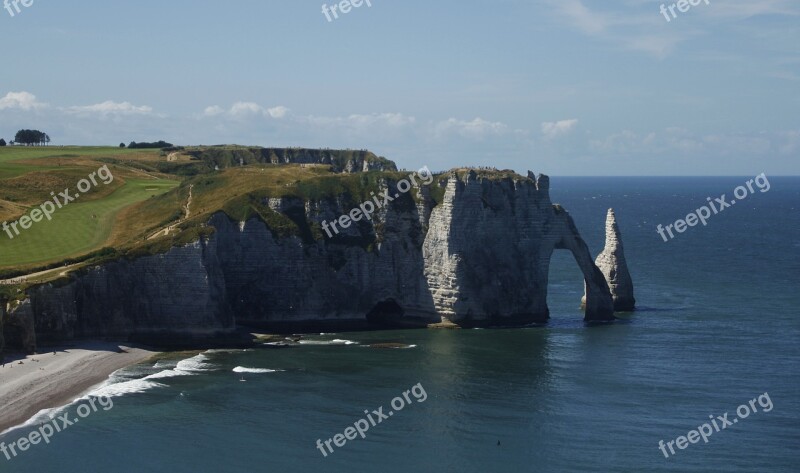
(488, 250)
(614, 267)
(176, 294)
(346, 161)
(473, 248)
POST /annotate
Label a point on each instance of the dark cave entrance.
(18, 337)
(386, 312)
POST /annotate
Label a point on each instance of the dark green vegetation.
(145, 145)
(31, 137)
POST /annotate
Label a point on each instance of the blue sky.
(564, 87)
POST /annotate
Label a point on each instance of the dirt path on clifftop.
(187, 210)
(65, 269)
(23, 279)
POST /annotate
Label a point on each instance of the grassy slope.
(11, 153)
(79, 227)
(28, 175)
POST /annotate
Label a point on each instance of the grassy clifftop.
(159, 199)
(149, 194)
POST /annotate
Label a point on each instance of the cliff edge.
(471, 247)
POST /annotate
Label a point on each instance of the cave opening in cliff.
(17, 337)
(385, 313)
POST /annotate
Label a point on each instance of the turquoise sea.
(718, 326)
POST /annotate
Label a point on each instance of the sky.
(561, 87)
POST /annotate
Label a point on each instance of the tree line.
(38, 138)
(32, 138)
(29, 138)
(143, 145)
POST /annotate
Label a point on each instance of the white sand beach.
(57, 377)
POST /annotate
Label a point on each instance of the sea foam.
(242, 369)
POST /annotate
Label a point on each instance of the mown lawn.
(78, 228)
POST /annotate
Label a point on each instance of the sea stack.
(614, 267)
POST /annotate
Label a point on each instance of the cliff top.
(162, 198)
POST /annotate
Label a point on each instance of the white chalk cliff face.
(488, 248)
(478, 257)
(614, 267)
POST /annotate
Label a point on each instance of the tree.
(31, 137)
(122, 145)
(157, 144)
(2, 142)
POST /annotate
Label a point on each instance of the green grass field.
(78, 228)
(18, 160)
(11, 153)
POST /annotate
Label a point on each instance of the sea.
(713, 348)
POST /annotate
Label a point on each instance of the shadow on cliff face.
(386, 313)
(369, 275)
(18, 333)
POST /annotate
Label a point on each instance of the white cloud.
(21, 101)
(359, 122)
(561, 127)
(658, 46)
(477, 128)
(630, 28)
(213, 111)
(246, 110)
(393, 120)
(636, 25)
(278, 112)
(790, 142)
(589, 22)
(109, 107)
